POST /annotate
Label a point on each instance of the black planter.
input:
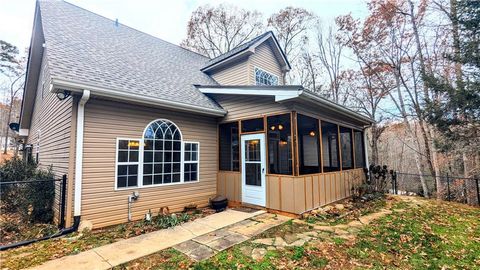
(219, 203)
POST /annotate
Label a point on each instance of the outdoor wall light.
(63, 95)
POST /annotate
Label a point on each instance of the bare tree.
(213, 31)
(330, 56)
(290, 26)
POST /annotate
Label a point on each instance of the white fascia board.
(280, 95)
(336, 107)
(129, 97)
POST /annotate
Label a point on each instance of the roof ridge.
(243, 44)
(134, 29)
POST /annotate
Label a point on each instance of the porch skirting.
(296, 194)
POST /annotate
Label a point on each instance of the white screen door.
(253, 169)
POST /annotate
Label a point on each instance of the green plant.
(298, 253)
(33, 201)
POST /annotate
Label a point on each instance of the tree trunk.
(418, 159)
(438, 181)
(7, 128)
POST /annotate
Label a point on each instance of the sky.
(164, 19)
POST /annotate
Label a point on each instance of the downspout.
(365, 146)
(79, 156)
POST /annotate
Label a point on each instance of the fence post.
(396, 183)
(448, 188)
(392, 174)
(63, 200)
(478, 191)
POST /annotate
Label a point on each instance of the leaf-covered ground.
(419, 234)
(40, 252)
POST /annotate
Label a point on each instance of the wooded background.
(413, 66)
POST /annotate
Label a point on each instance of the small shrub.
(32, 201)
(298, 253)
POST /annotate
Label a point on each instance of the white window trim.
(140, 150)
(255, 76)
(191, 162)
(140, 166)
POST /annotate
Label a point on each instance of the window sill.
(156, 186)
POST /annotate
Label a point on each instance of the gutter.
(79, 153)
(60, 85)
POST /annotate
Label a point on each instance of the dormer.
(259, 61)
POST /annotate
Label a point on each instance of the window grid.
(162, 153)
(157, 159)
(191, 157)
(265, 78)
(127, 162)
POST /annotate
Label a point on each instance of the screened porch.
(309, 160)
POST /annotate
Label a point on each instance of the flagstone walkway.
(207, 245)
(207, 231)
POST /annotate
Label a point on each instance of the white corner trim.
(79, 152)
(23, 132)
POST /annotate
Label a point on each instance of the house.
(138, 123)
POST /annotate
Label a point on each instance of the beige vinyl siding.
(242, 72)
(50, 128)
(241, 107)
(264, 58)
(105, 121)
(235, 74)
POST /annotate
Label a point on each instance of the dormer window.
(265, 78)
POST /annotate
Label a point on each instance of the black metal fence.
(34, 201)
(450, 188)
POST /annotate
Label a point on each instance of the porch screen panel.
(252, 125)
(330, 147)
(229, 147)
(279, 144)
(308, 144)
(359, 149)
(347, 148)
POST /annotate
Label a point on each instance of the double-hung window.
(127, 162)
(190, 163)
(160, 157)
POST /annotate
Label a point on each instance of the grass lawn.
(419, 234)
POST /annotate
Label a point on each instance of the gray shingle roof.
(238, 49)
(85, 47)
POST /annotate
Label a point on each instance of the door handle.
(263, 170)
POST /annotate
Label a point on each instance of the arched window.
(162, 153)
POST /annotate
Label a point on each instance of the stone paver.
(264, 241)
(105, 257)
(195, 250)
(227, 241)
(258, 253)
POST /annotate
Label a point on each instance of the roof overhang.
(284, 94)
(282, 58)
(58, 85)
